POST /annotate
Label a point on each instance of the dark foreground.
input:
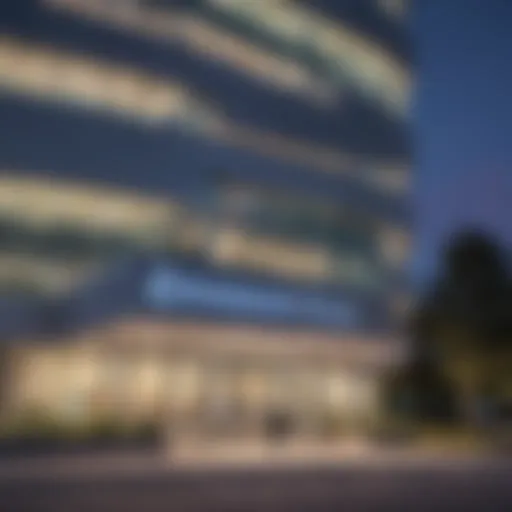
(381, 489)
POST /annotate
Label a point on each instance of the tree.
(465, 322)
(419, 392)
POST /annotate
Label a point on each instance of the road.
(423, 488)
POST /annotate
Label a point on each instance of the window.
(54, 75)
(40, 382)
(299, 237)
(67, 243)
(43, 373)
(55, 235)
(192, 231)
(42, 272)
(43, 204)
(355, 269)
(186, 386)
(395, 245)
(302, 152)
(279, 213)
(205, 38)
(349, 56)
(235, 247)
(392, 179)
(77, 78)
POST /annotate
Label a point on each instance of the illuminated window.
(88, 83)
(192, 232)
(186, 383)
(253, 387)
(298, 237)
(40, 380)
(44, 274)
(350, 55)
(205, 38)
(393, 179)
(45, 204)
(356, 268)
(41, 376)
(275, 212)
(57, 76)
(159, 100)
(35, 70)
(78, 78)
(53, 236)
(319, 158)
(395, 245)
(234, 247)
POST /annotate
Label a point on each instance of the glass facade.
(327, 47)
(257, 228)
(63, 77)
(53, 236)
(317, 55)
(304, 237)
(211, 162)
(203, 35)
(198, 397)
(131, 167)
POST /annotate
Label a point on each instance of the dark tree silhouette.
(462, 328)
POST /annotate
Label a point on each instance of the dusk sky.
(463, 120)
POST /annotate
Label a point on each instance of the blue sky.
(463, 120)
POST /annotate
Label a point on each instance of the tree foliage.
(462, 328)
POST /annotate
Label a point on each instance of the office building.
(204, 211)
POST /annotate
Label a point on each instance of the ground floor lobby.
(198, 386)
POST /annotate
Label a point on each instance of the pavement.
(430, 486)
(218, 458)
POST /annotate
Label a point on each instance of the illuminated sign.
(168, 288)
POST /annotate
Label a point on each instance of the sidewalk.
(224, 459)
(272, 455)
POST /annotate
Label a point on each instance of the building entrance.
(249, 402)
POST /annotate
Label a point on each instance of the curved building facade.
(210, 168)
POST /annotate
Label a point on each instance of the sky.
(462, 121)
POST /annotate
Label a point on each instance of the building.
(204, 210)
